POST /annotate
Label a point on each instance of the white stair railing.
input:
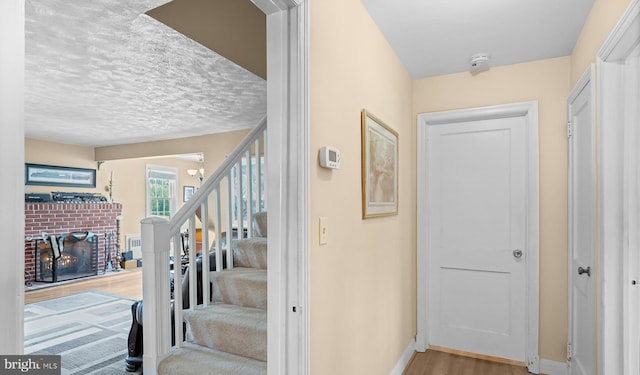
(224, 205)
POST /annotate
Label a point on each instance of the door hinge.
(569, 129)
(569, 352)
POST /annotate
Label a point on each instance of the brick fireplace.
(60, 218)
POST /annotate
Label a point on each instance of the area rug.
(89, 330)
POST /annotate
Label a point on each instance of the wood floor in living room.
(440, 363)
(129, 284)
(124, 283)
(85, 321)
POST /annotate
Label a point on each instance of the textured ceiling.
(435, 37)
(102, 73)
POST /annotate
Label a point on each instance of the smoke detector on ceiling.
(479, 62)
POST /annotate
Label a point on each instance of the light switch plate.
(323, 230)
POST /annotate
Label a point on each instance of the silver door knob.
(517, 253)
(584, 270)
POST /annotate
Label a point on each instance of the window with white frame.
(162, 185)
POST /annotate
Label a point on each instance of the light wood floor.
(439, 363)
(124, 283)
(129, 283)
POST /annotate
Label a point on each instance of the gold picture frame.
(379, 167)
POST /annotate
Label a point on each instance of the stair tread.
(240, 286)
(223, 310)
(194, 359)
(241, 271)
(257, 240)
(230, 328)
(250, 252)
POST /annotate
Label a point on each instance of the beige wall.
(52, 153)
(214, 147)
(44, 152)
(603, 17)
(128, 177)
(363, 297)
(547, 82)
(128, 164)
(129, 186)
(351, 69)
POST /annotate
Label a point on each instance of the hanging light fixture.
(199, 172)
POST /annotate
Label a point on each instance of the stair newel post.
(155, 291)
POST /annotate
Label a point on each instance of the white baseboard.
(553, 368)
(402, 363)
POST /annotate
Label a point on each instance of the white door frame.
(288, 135)
(528, 110)
(589, 77)
(12, 167)
(287, 181)
(616, 162)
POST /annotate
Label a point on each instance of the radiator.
(134, 243)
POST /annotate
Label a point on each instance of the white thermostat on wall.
(330, 157)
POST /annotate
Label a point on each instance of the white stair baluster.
(229, 221)
(247, 192)
(218, 243)
(204, 221)
(193, 271)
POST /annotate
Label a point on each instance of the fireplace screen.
(66, 257)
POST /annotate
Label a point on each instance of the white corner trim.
(402, 363)
(287, 180)
(615, 152)
(619, 42)
(549, 367)
(273, 6)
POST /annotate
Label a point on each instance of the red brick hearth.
(59, 218)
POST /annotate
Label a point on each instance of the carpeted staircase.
(230, 336)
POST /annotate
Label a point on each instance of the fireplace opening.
(72, 256)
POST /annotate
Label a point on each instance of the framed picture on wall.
(187, 192)
(379, 167)
(51, 175)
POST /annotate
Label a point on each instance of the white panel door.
(582, 229)
(477, 202)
